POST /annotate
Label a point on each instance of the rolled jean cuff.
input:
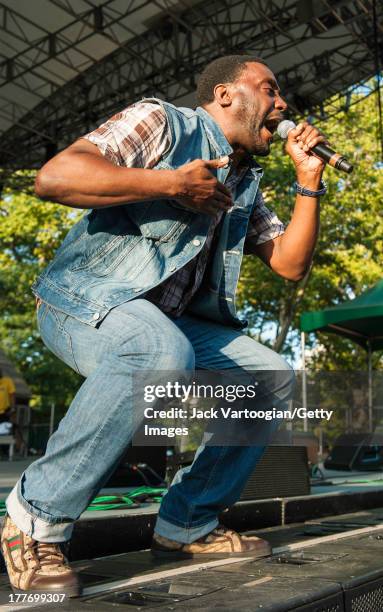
(24, 516)
(186, 535)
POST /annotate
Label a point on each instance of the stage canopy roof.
(68, 64)
(360, 319)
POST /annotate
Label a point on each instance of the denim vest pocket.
(165, 221)
(105, 260)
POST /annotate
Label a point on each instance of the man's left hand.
(299, 144)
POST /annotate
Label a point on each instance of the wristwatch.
(308, 192)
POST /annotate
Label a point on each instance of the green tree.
(349, 254)
(30, 232)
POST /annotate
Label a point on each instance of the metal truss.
(164, 60)
(40, 46)
(55, 45)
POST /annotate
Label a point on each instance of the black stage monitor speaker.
(360, 451)
(282, 472)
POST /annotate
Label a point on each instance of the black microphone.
(321, 150)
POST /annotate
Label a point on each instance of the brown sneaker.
(220, 542)
(35, 566)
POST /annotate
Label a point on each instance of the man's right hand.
(198, 189)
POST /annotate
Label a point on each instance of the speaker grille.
(372, 601)
(282, 472)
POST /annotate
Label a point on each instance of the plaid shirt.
(138, 137)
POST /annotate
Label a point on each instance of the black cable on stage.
(377, 71)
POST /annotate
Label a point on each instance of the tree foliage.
(30, 233)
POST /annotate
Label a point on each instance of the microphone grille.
(284, 128)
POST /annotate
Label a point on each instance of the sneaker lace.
(45, 554)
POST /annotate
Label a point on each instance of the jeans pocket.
(41, 312)
(51, 323)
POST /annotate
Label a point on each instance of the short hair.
(225, 69)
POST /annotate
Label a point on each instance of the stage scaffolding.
(68, 64)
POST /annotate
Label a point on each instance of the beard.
(251, 121)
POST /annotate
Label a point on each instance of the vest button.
(173, 269)
(196, 242)
(137, 290)
(96, 316)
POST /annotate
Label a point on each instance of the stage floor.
(101, 533)
(333, 565)
(327, 555)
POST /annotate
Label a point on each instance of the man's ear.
(223, 94)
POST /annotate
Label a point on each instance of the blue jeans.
(93, 435)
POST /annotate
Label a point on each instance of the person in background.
(7, 396)
(7, 408)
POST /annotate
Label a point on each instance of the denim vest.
(116, 254)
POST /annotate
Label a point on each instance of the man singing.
(146, 281)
